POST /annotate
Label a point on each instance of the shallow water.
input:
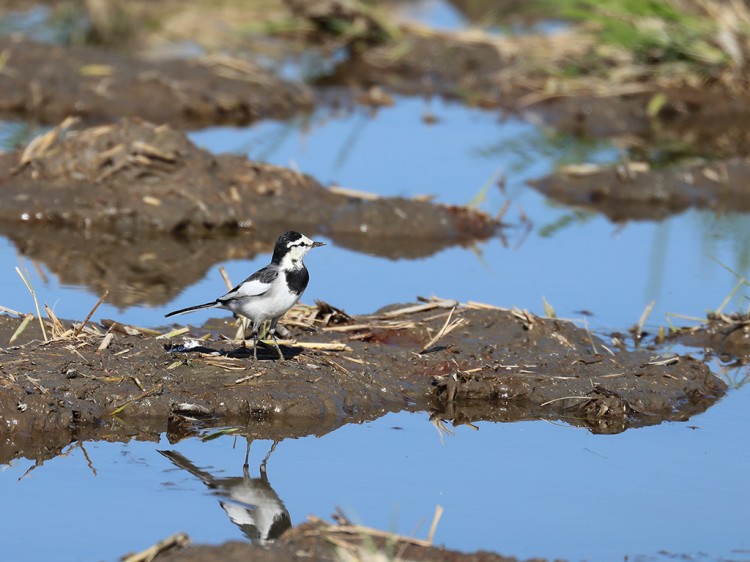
(536, 489)
(522, 489)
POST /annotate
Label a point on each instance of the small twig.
(591, 339)
(435, 520)
(566, 398)
(37, 385)
(106, 341)
(434, 303)
(225, 277)
(373, 326)
(482, 305)
(58, 330)
(149, 392)
(178, 539)
(642, 320)
(612, 375)
(446, 329)
(317, 346)
(173, 333)
(11, 311)
(248, 378)
(666, 361)
(337, 366)
(21, 327)
(99, 302)
(361, 530)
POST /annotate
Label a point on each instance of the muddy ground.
(138, 203)
(322, 541)
(492, 364)
(48, 83)
(633, 191)
(134, 177)
(727, 335)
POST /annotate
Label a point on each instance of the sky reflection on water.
(536, 489)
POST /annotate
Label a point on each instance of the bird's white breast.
(271, 304)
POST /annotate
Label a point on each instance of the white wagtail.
(269, 292)
(251, 503)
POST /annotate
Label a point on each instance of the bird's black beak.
(316, 244)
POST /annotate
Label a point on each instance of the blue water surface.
(523, 489)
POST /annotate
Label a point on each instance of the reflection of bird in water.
(251, 503)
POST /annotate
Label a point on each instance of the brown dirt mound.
(633, 191)
(464, 363)
(48, 83)
(134, 177)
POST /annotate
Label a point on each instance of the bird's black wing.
(254, 286)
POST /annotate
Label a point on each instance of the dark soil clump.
(135, 178)
(488, 364)
(633, 191)
(48, 83)
(315, 541)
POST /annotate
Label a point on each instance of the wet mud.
(48, 83)
(633, 191)
(135, 178)
(727, 335)
(319, 540)
(463, 364)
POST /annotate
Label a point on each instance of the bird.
(251, 503)
(269, 292)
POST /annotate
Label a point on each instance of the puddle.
(591, 497)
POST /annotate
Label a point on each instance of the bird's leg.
(265, 460)
(272, 331)
(255, 342)
(246, 466)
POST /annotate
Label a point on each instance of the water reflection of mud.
(251, 503)
(588, 414)
(154, 270)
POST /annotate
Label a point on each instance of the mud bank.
(728, 335)
(322, 541)
(633, 191)
(566, 79)
(463, 364)
(48, 83)
(137, 178)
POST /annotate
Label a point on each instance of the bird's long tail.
(185, 464)
(192, 308)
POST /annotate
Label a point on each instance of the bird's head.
(291, 247)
